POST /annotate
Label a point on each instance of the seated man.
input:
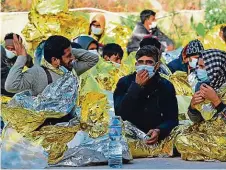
(8, 58)
(154, 42)
(188, 58)
(59, 57)
(113, 52)
(205, 139)
(146, 99)
(9, 46)
(147, 27)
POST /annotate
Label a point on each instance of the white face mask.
(193, 62)
(153, 25)
(96, 31)
(10, 54)
(94, 52)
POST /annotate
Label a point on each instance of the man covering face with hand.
(146, 99)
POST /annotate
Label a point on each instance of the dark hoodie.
(139, 33)
(5, 67)
(85, 41)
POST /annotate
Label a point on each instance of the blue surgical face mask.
(150, 69)
(10, 54)
(96, 31)
(202, 75)
(193, 62)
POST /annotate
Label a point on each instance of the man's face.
(9, 45)
(67, 59)
(145, 60)
(92, 46)
(151, 19)
(96, 24)
(113, 58)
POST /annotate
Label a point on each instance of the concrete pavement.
(159, 163)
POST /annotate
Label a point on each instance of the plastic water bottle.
(115, 146)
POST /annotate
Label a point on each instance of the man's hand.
(19, 47)
(154, 136)
(142, 77)
(196, 99)
(209, 93)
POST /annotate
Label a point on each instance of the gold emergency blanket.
(4, 99)
(139, 149)
(26, 122)
(204, 141)
(180, 81)
(212, 40)
(52, 17)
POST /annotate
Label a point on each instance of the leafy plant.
(130, 21)
(199, 28)
(215, 13)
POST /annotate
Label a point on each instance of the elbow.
(9, 87)
(95, 60)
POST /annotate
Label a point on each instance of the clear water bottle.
(115, 146)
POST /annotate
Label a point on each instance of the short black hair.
(113, 49)
(150, 41)
(145, 14)
(150, 51)
(55, 46)
(9, 36)
(223, 29)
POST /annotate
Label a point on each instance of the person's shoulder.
(127, 79)
(166, 86)
(35, 69)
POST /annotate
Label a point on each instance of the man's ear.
(55, 61)
(221, 34)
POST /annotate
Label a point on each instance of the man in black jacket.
(146, 99)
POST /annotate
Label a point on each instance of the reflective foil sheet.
(136, 140)
(95, 151)
(59, 96)
(203, 141)
(52, 17)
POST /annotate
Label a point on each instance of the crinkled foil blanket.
(53, 17)
(96, 102)
(54, 138)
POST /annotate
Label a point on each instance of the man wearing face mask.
(10, 50)
(87, 43)
(5, 67)
(188, 58)
(97, 27)
(147, 27)
(146, 99)
(59, 58)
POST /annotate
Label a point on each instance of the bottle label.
(115, 131)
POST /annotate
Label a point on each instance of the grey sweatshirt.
(35, 78)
